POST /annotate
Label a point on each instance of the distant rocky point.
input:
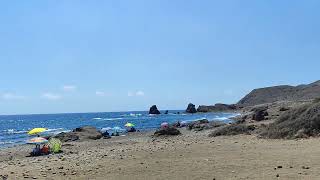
(281, 93)
(217, 108)
(154, 110)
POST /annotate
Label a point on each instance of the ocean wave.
(112, 119)
(131, 115)
(96, 118)
(221, 118)
(14, 131)
(6, 142)
(56, 131)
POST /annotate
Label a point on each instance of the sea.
(14, 128)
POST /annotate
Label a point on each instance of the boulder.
(204, 124)
(284, 109)
(260, 113)
(191, 108)
(171, 131)
(154, 110)
(80, 134)
(197, 125)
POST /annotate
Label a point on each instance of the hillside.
(281, 93)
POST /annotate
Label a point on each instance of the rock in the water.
(169, 131)
(191, 108)
(260, 114)
(80, 134)
(154, 110)
(167, 112)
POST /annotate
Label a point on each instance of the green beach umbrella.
(129, 125)
(55, 145)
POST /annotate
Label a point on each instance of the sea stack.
(191, 108)
(154, 110)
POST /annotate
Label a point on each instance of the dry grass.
(300, 122)
(233, 129)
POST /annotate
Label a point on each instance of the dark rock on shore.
(169, 132)
(198, 125)
(217, 107)
(281, 93)
(260, 114)
(154, 110)
(203, 124)
(191, 108)
(284, 109)
(80, 134)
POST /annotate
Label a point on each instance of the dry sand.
(189, 156)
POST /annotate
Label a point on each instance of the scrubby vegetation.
(299, 122)
(233, 129)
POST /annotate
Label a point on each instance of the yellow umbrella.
(36, 131)
(129, 125)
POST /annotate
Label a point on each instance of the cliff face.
(281, 93)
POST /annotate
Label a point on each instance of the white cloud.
(51, 96)
(130, 94)
(12, 96)
(100, 93)
(139, 93)
(69, 88)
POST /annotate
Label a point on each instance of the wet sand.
(189, 156)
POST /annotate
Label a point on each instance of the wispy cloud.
(69, 88)
(130, 94)
(12, 96)
(51, 96)
(102, 94)
(137, 93)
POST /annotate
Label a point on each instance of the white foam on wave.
(14, 131)
(131, 115)
(112, 119)
(6, 142)
(221, 118)
(56, 131)
(96, 118)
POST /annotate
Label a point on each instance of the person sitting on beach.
(106, 135)
(115, 134)
(45, 150)
(36, 151)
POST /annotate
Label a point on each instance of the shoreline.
(229, 117)
(192, 155)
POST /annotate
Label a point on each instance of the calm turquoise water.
(14, 128)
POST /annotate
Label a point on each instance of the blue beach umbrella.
(118, 129)
(106, 129)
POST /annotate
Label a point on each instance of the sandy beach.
(188, 156)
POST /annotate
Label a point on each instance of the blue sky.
(89, 56)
